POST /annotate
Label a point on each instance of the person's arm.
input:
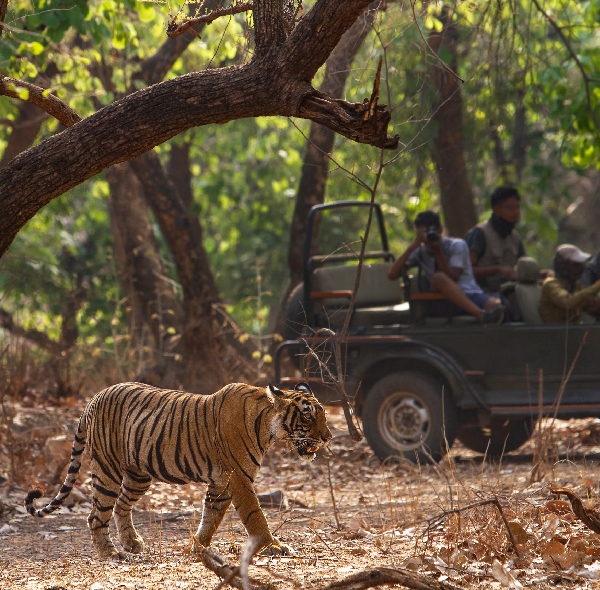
(561, 297)
(396, 269)
(495, 269)
(443, 265)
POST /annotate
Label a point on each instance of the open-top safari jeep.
(418, 382)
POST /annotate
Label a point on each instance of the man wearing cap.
(494, 245)
(563, 298)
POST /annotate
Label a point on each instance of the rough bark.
(277, 84)
(3, 8)
(315, 166)
(456, 193)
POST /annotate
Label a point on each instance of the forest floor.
(341, 514)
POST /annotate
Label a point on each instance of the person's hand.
(419, 238)
(508, 273)
(435, 247)
(594, 307)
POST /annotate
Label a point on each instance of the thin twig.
(174, 30)
(412, 5)
(41, 98)
(572, 53)
(589, 517)
(335, 512)
(438, 518)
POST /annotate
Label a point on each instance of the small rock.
(7, 529)
(273, 499)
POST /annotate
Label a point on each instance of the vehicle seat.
(378, 301)
(420, 306)
(528, 290)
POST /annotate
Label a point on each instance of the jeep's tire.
(404, 412)
(503, 435)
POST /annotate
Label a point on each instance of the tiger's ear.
(277, 397)
(303, 387)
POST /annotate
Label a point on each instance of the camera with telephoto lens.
(432, 233)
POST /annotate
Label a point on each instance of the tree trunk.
(180, 173)
(142, 271)
(24, 131)
(456, 193)
(201, 350)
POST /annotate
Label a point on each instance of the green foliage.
(246, 173)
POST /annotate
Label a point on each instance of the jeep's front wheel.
(407, 415)
(502, 435)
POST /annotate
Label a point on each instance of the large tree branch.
(269, 26)
(358, 122)
(317, 34)
(135, 124)
(41, 98)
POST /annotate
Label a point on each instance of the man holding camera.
(446, 266)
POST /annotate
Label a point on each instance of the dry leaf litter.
(398, 515)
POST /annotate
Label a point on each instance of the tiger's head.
(300, 419)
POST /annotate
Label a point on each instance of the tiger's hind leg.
(216, 503)
(135, 484)
(105, 491)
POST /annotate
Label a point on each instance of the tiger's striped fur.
(136, 433)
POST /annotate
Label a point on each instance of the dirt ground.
(341, 514)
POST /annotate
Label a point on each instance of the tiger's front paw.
(135, 545)
(277, 548)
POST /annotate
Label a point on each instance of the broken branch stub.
(356, 121)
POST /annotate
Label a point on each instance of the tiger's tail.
(65, 490)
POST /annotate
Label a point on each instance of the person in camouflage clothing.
(563, 298)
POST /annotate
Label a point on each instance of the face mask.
(502, 227)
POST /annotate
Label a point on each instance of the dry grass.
(394, 515)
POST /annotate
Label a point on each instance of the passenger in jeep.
(563, 298)
(590, 275)
(494, 245)
(447, 269)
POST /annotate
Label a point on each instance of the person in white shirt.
(446, 266)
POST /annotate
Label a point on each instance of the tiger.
(136, 433)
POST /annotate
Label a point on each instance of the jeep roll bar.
(309, 260)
